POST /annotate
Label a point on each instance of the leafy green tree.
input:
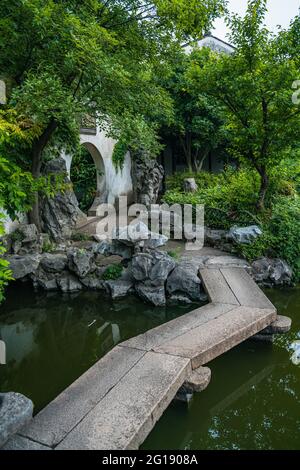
(198, 117)
(64, 58)
(255, 87)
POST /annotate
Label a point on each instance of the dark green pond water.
(252, 402)
(51, 339)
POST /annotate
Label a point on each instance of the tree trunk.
(264, 183)
(36, 153)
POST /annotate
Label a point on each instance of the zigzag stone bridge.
(116, 403)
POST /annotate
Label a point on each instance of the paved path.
(117, 402)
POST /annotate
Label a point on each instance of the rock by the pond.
(60, 213)
(152, 294)
(190, 185)
(79, 261)
(184, 281)
(69, 283)
(15, 411)
(53, 262)
(94, 280)
(47, 281)
(119, 288)
(21, 266)
(147, 176)
(271, 272)
(153, 267)
(244, 235)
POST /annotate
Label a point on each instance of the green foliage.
(254, 87)
(66, 58)
(281, 235)
(5, 272)
(84, 178)
(175, 254)
(112, 272)
(79, 237)
(119, 153)
(48, 247)
(17, 236)
(198, 124)
(229, 197)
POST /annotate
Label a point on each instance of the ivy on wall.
(119, 153)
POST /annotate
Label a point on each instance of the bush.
(112, 272)
(80, 237)
(230, 199)
(281, 235)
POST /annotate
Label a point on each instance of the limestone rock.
(119, 288)
(22, 266)
(190, 185)
(15, 411)
(244, 235)
(153, 267)
(69, 283)
(215, 237)
(153, 294)
(60, 213)
(79, 261)
(147, 175)
(94, 280)
(184, 281)
(271, 272)
(53, 262)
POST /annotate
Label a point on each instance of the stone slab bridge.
(116, 403)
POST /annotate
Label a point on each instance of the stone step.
(201, 345)
(244, 288)
(280, 326)
(216, 287)
(127, 414)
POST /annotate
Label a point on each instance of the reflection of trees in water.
(68, 333)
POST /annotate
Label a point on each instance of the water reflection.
(51, 339)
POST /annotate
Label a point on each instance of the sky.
(280, 12)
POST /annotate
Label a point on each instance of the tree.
(198, 117)
(63, 58)
(255, 87)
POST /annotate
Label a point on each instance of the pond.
(53, 338)
(252, 402)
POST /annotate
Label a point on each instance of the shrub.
(229, 197)
(79, 237)
(281, 235)
(48, 247)
(112, 272)
(5, 272)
